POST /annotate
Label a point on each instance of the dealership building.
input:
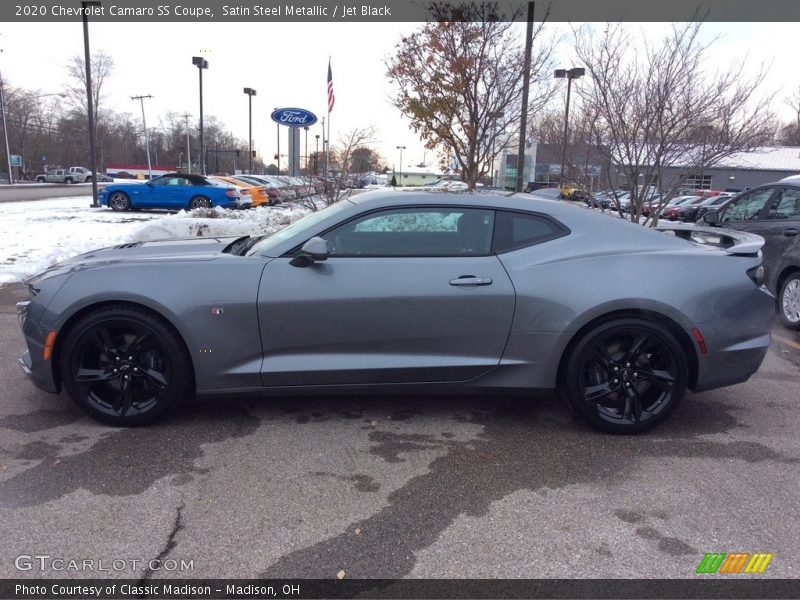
(740, 171)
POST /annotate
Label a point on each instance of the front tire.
(200, 202)
(789, 302)
(125, 366)
(625, 376)
(119, 201)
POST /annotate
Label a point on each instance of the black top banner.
(399, 10)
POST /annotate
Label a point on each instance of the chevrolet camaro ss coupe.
(413, 292)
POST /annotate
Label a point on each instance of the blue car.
(172, 190)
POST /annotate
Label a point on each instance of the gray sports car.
(417, 291)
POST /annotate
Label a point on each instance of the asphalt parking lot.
(385, 487)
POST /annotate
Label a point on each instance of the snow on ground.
(35, 235)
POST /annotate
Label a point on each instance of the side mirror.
(711, 218)
(314, 250)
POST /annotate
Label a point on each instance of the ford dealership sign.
(294, 117)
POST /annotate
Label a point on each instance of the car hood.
(197, 248)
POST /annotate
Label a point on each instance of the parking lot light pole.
(316, 156)
(201, 63)
(90, 101)
(5, 131)
(401, 148)
(146, 137)
(569, 74)
(250, 93)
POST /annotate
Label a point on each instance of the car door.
(748, 212)
(406, 295)
(781, 226)
(156, 193)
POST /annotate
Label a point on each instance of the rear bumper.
(737, 341)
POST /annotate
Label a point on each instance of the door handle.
(790, 232)
(471, 280)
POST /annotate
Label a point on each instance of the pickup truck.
(71, 175)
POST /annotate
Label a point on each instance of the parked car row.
(771, 211)
(172, 191)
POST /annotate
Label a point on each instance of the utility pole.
(526, 84)
(188, 145)
(146, 137)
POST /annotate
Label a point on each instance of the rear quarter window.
(515, 230)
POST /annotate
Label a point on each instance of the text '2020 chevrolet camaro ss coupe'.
(410, 291)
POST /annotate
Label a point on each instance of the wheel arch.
(69, 324)
(678, 332)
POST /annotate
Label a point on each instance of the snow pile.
(218, 222)
(37, 234)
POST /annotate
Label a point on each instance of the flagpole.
(329, 122)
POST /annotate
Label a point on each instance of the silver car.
(414, 291)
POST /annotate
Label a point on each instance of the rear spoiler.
(730, 240)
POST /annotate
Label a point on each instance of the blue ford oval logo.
(294, 117)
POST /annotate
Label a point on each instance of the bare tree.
(102, 65)
(460, 84)
(789, 133)
(661, 107)
(343, 160)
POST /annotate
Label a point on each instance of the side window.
(786, 205)
(163, 181)
(748, 207)
(516, 230)
(415, 232)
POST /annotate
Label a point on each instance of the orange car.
(258, 193)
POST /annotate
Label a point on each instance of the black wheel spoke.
(93, 375)
(136, 345)
(593, 393)
(155, 377)
(633, 405)
(125, 398)
(636, 349)
(103, 339)
(662, 379)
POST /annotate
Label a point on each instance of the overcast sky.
(287, 64)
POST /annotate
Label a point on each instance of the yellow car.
(572, 191)
(258, 193)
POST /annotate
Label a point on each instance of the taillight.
(757, 275)
(231, 193)
(244, 192)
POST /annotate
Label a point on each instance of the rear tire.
(125, 366)
(625, 376)
(789, 302)
(69, 180)
(200, 202)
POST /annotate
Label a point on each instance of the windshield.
(307, 222)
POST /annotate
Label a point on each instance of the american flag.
(331, 97)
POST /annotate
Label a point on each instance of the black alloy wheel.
(119, 201)
(125, 366)
(626, 376)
